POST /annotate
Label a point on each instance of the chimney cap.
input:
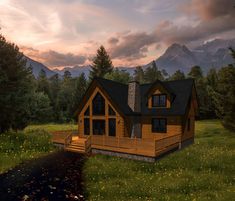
(133, 81)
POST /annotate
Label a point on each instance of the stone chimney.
(134, 96)
(134, 104)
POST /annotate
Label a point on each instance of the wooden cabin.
(140, 121)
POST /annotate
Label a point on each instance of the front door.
(98, 127)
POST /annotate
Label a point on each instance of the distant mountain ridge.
(176, 57)
(211, 54)
(37, 67)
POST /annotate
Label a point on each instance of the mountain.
(37, 67)
(211, 54)
(77, 70)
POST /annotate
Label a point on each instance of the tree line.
(25, 99)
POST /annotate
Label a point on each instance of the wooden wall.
(174, 127)
(120, 127)
(187, 134)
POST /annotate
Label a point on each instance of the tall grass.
(203, 171)
(18, 147)
(52, 127)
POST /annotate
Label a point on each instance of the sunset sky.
(67, 32)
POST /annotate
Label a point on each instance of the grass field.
(203, 171)
(18, 147)
(53, 127)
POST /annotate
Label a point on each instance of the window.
(87, 112)
(159, 125)
(86, 126)
(189, 122)
(112, 127)
(111, 111)
(98, 127)
(159, 100)
(98, 105)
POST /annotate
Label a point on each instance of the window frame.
(111, 111)
(158, 100)
(155, 130)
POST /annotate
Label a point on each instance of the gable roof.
(180, 89)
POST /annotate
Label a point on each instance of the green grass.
(203, 171)
(52, 127)
(18, 147)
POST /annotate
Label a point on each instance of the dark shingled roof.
(180, 89)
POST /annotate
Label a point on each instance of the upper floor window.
(159, 100)
(159, 125)
(98, 105)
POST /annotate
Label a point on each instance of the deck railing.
(136, 145)
(68, 139)
(164, 143)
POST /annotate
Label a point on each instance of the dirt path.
(54, 177)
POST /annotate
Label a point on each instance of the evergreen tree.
(178, 75)
(43, 84)
(224, 96)
(54, 92)
(80, 89)
(152, 73)
(200, 82)
(16, 88)
(102, 64)
(119, 76)
(139, 74)
(196, 73)
(41, 110)
(65, 97)
(232, 52)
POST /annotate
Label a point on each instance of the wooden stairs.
(78, 145)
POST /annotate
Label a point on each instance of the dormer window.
(159, 100)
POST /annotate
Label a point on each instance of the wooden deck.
(136, 146)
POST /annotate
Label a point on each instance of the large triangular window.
(98, 105)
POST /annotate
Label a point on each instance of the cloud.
(53, 58)
(209, 19)
(210, 9)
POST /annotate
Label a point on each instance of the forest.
(26, 100)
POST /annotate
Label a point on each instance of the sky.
(62, 33)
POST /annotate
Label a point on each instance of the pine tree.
(178, 75)
(102, 64)
(80, 89)
(43, 84)
(152, 73)
(224, 96)
(119, 76)
(139, 74)
(16, 88)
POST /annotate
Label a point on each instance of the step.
(76, 147)
(75, 150)
(79, 143)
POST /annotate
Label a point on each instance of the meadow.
(203, 171)
(16, 148)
